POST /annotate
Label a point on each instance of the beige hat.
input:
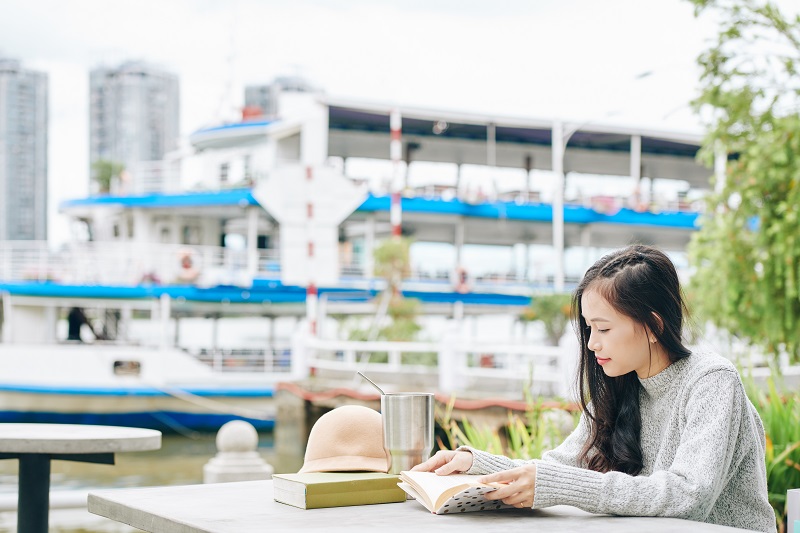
(347, 439)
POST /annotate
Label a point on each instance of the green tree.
(553, 311)
(392, 263)
(746, 254)
(104, 172)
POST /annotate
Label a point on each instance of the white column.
(586, 242)
(558, 203)
(636, 158)
(449, 368)
(165, 311)
(7, 318)
(252, 241)
(527, 263)
(51, 318)
(322, 315)
(491, 153)
(395, 152)
(369, 247)
(459, 240)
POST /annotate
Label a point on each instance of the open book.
(456, 493)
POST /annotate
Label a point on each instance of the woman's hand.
(520, 486)
(446, 462)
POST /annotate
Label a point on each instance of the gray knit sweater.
(703, 450)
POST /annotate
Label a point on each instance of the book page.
(438, 489)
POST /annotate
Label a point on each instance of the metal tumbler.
(407, 428)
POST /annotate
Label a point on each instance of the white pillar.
(558, 203)
(458, 311)
(527, 262)
(586, 243)
(448, 362)
(459, 240)
(51, 318)
(636, 158)
(369, 247)
(300, 354)
(252, 241)
(395, 152)
(7, 316)
(165, 311)
(491, 153)
(322, 315)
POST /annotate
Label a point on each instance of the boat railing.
(453, 366)
(148, 177)
(247, 360)
(129, 264)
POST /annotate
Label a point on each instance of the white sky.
(572, 59)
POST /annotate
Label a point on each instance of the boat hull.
(170, 390)
(189, 411)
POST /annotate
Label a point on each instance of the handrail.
(128, 264)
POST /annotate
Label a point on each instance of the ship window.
(223, 172)
(127, 368)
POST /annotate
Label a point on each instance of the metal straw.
(371, 383)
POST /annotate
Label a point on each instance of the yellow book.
(456, 493)
(314, 490)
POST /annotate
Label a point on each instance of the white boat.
(273, 218)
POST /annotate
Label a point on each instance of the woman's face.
(620, 344)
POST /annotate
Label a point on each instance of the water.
(180, 461)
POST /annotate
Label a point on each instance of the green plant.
(553, 311)
(540, 429)
(780, 413)
(105, 171)
(746, 254)
(392, 262)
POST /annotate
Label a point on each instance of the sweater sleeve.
(688, 488)
(565, 454)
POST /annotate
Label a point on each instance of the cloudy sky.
(611, 61)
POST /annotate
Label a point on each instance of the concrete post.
(793, 510)
(237, 458)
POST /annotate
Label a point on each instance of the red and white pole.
(396, 153)
(311, 288)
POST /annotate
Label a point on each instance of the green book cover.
(315, 490)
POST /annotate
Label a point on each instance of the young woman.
(663, 432)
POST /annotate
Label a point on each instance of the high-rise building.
(263, 99)
(134, 114)
(23, 152)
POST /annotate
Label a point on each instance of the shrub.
(780, 413)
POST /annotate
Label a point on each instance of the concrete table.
(248, 507)
(35, 445)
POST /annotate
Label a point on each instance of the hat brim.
(346, 463)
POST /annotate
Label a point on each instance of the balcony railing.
(130, 264)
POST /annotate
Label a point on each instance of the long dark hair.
(641, 283)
